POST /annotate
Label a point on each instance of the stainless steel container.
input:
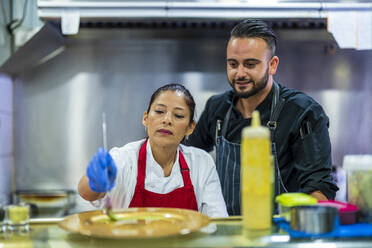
(46, 203)
(314, 219)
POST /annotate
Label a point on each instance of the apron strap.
(184, 170)
(277, 105)
(225, 123)
(141, 171)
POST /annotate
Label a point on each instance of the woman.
(158, 171)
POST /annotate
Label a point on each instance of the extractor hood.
(349, 21)
(209, 14)
(207, 9)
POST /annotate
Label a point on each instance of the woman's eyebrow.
(165, 106)
(161, 105)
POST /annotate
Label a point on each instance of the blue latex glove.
(101, 172)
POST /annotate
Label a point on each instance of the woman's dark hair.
(253, 28)
(176, 87)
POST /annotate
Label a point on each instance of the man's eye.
(179, 116)
(159, 111)
(250, 65)
(232, 64)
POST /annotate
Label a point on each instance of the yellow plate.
(136, 223)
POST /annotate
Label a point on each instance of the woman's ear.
(190, 128)
(144, 119)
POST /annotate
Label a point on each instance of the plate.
(136, 223)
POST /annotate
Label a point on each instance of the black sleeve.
(203, 137)
(312, 153)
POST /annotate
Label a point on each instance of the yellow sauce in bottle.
(257, 174)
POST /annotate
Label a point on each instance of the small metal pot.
(46, 203)
(314, 219)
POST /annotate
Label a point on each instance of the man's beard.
(257, 86)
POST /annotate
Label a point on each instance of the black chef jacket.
(304, 157)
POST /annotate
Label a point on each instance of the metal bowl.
(314, 219)
(46, 203)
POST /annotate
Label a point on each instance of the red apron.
(179, 198)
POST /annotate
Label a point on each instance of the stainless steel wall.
(58, 104)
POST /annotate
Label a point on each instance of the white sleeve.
(213, 203)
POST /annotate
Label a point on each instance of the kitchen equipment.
(346, 211)
(104, 131)
(18, 217)
(108, 204)
(359, 184)
(287, 200)
(136, 223)
(314, 219)
(46, 203)
(357, 231)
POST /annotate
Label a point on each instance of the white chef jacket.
(203, 176)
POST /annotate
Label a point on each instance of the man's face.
(249, 65)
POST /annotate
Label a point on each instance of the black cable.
(14, 24)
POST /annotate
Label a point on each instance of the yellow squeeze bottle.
(257, 174)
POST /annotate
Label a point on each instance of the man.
(298, 124)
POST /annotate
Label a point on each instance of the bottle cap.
(255, 130)
(256, 122)
(295, 199)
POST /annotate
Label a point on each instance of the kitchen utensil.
(18, 217)
(46, 203)
(136, 223)
(359, 184)
(358, 231)
(104, 131)
(314, 219)
(108, 204)
(346, 211)
(288, 200)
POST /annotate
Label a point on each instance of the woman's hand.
(101, 172)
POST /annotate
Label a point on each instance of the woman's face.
(169, 119)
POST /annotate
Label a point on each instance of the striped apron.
(228, 157)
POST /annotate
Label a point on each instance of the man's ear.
(190, 128)
(274, 62)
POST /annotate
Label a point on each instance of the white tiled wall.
(6, 138)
